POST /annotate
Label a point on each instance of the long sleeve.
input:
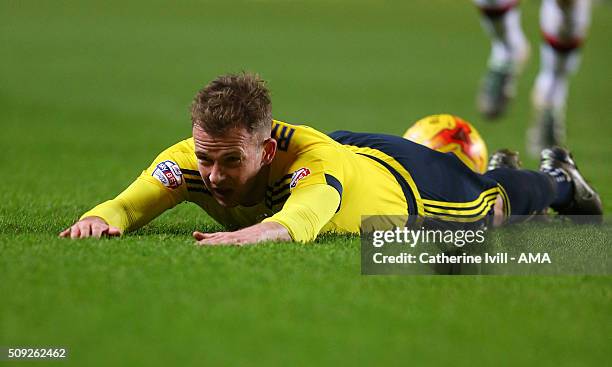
(136, 206)
(307, 210)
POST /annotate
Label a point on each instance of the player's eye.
(205, 161)
(233, 160)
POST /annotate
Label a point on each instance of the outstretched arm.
(158, 188)
(306, 211)
(250, 235)
(140, 203)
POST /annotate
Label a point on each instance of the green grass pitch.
(91, 91)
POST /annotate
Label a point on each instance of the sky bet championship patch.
(169, 174)
(297, 176)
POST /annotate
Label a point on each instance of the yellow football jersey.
(316, 185)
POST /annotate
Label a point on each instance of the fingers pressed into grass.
(85, 231)
(65, 233)
(97, 230)
(90, 227)
(75, 232)
(217, 238)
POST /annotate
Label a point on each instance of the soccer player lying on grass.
(267, 180)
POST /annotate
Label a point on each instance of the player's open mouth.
(222, 192)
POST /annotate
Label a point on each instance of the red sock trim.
(497, 11)
(562, 45)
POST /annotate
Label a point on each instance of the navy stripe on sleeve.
(333, 182)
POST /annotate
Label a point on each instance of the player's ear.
(269, 150)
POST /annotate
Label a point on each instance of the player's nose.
(216, 175)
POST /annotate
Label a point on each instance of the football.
(448, 133)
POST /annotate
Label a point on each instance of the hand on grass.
(268, 231)
(90, 227)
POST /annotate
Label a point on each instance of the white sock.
(564, 29)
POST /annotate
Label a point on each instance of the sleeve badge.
(297, 176)
(169, 174)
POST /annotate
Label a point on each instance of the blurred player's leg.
(564, 25)
(509, 51)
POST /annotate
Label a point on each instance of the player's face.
(230, 165)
